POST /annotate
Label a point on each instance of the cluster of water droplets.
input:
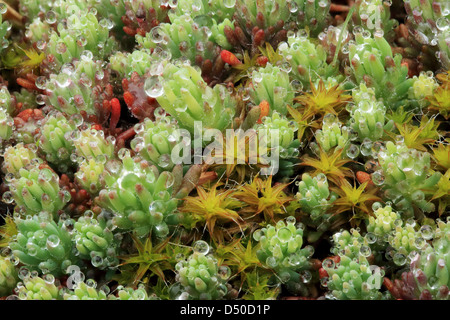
(353, 244)
(36, 189)
(89, 173)
(429, 20)
(153, 86)
(279, 133)
(6, 126)
(31, 286)
(375, 16)
(406, 240)
(311, 14)
(54, 140)
(272, 84)
(126, 293)
(138, 194)
(332, 38)
(77, 85)
(47, 245)
(314, 196)
(424, 87)
(333, 134)
(281, 249)
(199, 276)
(91, 143)
(405, 171)
(186, 37)
(155, 141)
(5, 26)
(94, 239)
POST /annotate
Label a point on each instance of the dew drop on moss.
(201, 246)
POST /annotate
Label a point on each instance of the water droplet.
(323, 3)
(9, 177)
(366, 34)
(91, 283)
(157, 34)
(113, 166)
(63, 80)
(224, 272)
(40, 82)
(60, 47)
(366, 147)
(196, 5)
(419, 243)
(153, 87)
(6, 252)
(88, 214)
(329, 119)
(86, 55)
(81, 41)
(309, 250)
(352, 151)
(183, 295)
(97, 261)
(291, 220)
(285, 277)
(292, 6)
(123, 153)
(53, 241)
(427, 232)
(378, 177)
(3, 8)
(305, 276)
(164, 161)
(271, 262)
(286, 66)
(257, 77)
(345, 48)
(370, 165)
(14, 260)
(41, 45)
(155, 209)
(365, 251)
(357, 30)
(201, 246)
(45, 174)
(411, 222)
(24, 273)
(442, 23)
(229, 3)
(40, 99)
(32, 249)
(324, 282)
(379, 33)
(48, 278)
(296, 85)
(257, 235)
(399, 139)
(105, 288)
(399, 259)
(7, 197)
(161, 230)
(370, 237)
(170, 180)
(328, 264)
(50, 17)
